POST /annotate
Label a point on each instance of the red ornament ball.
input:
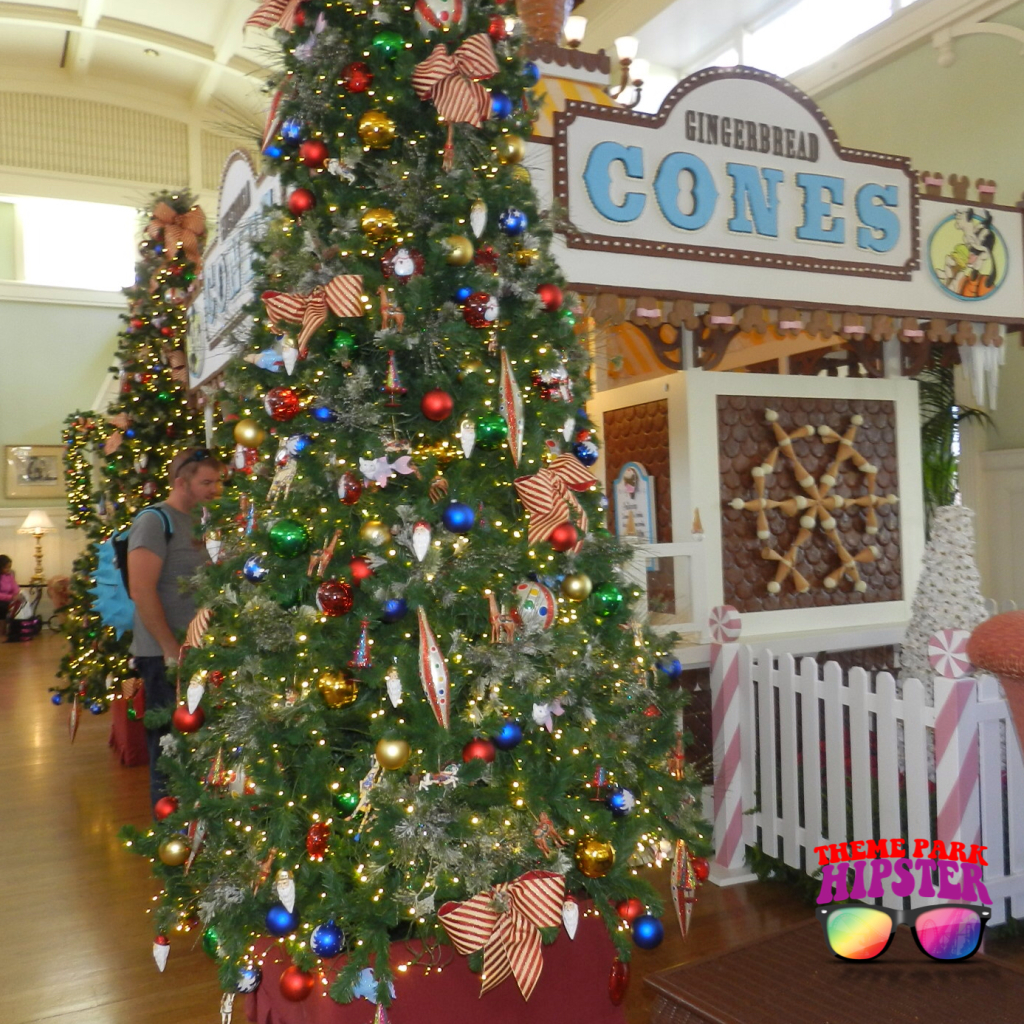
(299, 18)
(629, 910)
(215, 676)
(350, 488)
(313, 153)
(282, 404)
(187, 721)
(437, 405)
(652, 711)
(164, 807)
(316, 840)
(357, 77)
(551, 297)
(564, 537)
(334, 598)
(479, 750)
(701, 868)
(301, 201)
(480, 310)
(487, 257)
(496, 29)
(297, 985)
(360, 569)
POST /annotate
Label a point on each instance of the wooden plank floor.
(75, 941)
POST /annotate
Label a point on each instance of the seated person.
(9, 590)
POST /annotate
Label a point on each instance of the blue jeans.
(160, 693)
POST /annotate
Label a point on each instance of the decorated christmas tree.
(114, 459)
(417, 689)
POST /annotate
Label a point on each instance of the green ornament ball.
(569, 317)
(211, 943)
(342, 345)
(387, 45)
(163, 396)
(491, 430)
(347, 802)
(608, 599)
(288, 538)
(131, 712)
(189, 276)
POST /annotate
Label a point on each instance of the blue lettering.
(598, 180)
(668, 190)
(749, 201)
(874, 208)
(817, 208)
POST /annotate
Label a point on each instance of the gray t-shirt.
(182, 555)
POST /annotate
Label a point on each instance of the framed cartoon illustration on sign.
(33, 471)
(967, 255)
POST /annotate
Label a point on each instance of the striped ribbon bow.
(504, 923)
(184, 229)
(275, 14)
(548, 496)
(452, 80)
(342, 296)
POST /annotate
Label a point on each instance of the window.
(810, 30)
(69, 244)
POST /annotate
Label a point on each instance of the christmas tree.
(416, 674)
(114, 459)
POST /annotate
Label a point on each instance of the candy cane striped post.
(957, 760)
(726, 722)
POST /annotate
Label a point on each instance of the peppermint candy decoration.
(947, 653)
(725, 624)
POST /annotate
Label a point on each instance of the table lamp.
(37, 523)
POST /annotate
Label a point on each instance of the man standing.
(163, 555)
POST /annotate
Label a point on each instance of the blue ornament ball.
(672, 668)
(129, 433)
(56, 699)
(298, 444)
(586, 452)
(324, 414)
(531, 73)
(620, 802)
(274, 151)
(96, 708)
(327, 940)
(463, 293)
(510, 736)
(253, 570)
(394, 610)
(512, 221)
(291, 131)
(249, 979)
(458, 517)
(501, 106)
(648, 931)
(280, 921)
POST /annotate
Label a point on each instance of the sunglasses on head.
(199, 455)
(951, 931)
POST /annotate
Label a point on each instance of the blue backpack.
(112, 593)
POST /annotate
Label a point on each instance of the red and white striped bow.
(452, 81)
(342, 296)
(548, 496)
(504, 923)
(275, 14)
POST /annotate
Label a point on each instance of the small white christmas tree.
(949, 591)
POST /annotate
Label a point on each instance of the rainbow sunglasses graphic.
(948, 932)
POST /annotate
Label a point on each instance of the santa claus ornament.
(439, 15)
(480, 310)
(403, 264)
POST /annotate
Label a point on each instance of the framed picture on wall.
(33, 471)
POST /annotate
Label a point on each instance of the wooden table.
(793, 978)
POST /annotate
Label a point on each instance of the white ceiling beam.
(64, 20)
(228, 42)
(81, 44)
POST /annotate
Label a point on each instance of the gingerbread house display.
(732, 231)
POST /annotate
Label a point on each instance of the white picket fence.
(808, 755)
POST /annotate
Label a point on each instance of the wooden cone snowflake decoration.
(683, 882)
(816, 505)
(433, 671)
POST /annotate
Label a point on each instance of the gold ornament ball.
(460, 250)
(521, 175)
(470, 366)
(577, 586)
(594, 857)
(337, 688)
(249, 433)
(376, 129)
(511, 149)
(526, 257)
(174, 852)
(374, 533)
(392, 754)
(380, 224)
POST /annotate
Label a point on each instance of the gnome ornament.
(434, 16)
